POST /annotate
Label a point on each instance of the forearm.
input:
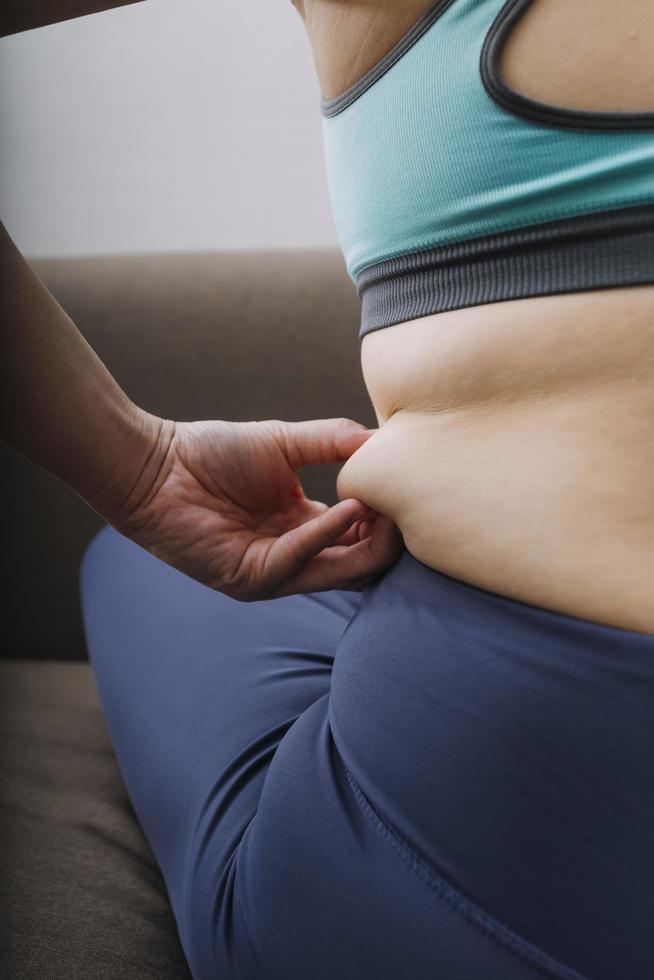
(59, 405)
(24, 15)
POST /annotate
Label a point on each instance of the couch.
(231, 335)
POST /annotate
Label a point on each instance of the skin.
(24, 15)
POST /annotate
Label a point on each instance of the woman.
(430, 756)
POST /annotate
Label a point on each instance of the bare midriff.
(515, 448)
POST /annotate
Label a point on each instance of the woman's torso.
(515, 438)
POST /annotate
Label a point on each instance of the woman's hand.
(220, 501)
(225, 507)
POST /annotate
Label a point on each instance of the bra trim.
(532, 109)
(593, 251)
(331, 107)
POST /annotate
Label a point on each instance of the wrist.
(135, 467)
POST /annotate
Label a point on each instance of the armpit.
(350, 38)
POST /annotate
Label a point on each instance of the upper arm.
(24, 15)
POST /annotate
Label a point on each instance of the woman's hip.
(510, 747)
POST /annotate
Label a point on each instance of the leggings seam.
(241, 910)
(499, 933)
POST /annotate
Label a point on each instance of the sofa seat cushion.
(80, 891)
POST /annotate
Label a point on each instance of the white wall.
(166, 125)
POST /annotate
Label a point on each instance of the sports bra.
(450, 189)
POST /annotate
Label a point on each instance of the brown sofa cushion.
(80, 892)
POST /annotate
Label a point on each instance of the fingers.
(341, 567)
(290, 551)
(357, 532)
(315, 508)
(320, 440)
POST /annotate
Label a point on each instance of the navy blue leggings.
(423, 780)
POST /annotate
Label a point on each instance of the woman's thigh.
(198, 691)
(219, 714)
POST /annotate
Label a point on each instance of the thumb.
(321, 440)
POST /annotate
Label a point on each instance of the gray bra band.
(593, 251)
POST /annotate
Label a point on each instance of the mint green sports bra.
(450, 189)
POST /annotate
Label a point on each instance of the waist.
(514, 448)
